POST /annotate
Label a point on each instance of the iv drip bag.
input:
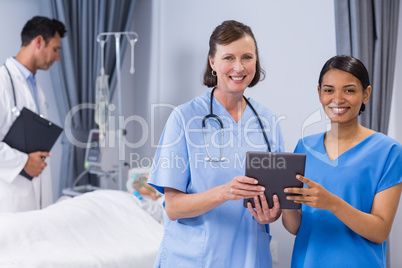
(102, 103)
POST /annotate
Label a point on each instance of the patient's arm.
(141, 186)
(147, 189)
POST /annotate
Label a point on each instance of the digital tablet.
(275, 171)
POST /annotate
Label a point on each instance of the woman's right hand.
(182, 205)
(241, 187)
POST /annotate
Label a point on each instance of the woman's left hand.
(262, 213)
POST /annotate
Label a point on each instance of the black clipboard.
(31, 133)
(275, 171)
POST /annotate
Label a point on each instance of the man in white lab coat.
(41, 43)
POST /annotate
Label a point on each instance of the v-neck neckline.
(221, 107)
(345, 152)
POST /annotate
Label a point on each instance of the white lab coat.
(16, 192)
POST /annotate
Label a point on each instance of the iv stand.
(132, 37)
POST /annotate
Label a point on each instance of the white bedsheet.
(105, 228)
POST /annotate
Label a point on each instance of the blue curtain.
(74, 77)
(367, 30)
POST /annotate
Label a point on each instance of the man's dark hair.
(43, 26)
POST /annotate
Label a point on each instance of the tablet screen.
(275, 171)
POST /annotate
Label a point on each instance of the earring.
(362, 108)
(213, 73)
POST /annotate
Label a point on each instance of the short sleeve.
(392, 171)
(170, 166)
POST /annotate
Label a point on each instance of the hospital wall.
(294, 37)
(395, 131)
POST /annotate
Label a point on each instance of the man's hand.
(36, 163)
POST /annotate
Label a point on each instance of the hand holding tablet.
(275, 171)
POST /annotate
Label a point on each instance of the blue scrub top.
(356, 176)
(228, 235)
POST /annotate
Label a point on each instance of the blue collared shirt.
(30, 78)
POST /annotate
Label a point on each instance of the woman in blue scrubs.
(352, 179)
(200, 164)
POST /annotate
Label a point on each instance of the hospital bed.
(103, 228)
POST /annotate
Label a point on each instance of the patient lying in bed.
(104, 228)
(144, 194)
